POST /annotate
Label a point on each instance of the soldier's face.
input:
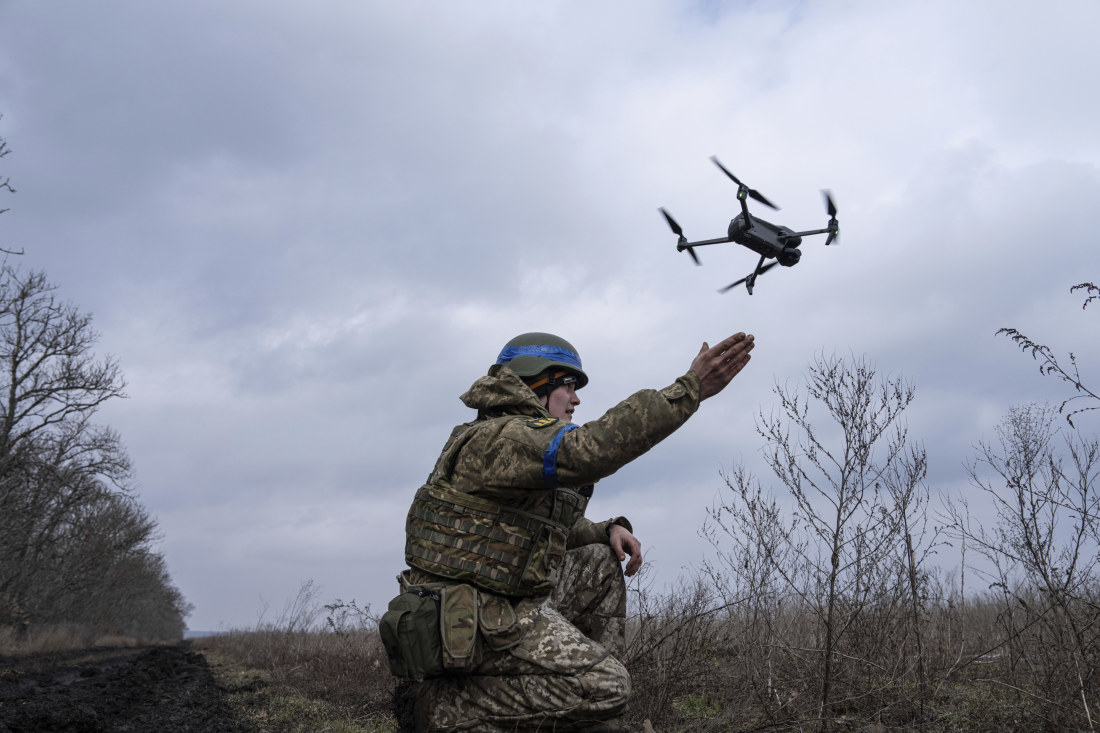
(561, 401)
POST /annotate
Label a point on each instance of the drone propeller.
(672, 223)
(833, 227)
(755, 273)
(680, 233)
(742, 189)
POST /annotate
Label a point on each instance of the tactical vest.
(475, 540)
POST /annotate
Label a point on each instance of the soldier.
(531, 593)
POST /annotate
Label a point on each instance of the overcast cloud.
(305, 229)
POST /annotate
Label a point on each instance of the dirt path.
(167, 689)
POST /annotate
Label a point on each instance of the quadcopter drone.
(768, 240)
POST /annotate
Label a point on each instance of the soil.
(167, 689)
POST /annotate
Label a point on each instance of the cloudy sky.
(304, 229)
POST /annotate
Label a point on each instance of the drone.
(768, 240)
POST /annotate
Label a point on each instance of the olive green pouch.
(498, 622)
(458, 627)
(410, 631)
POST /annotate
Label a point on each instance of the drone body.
(764, 238)
(770, 241)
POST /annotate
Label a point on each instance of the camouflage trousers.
(562, 676)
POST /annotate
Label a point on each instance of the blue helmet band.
(543, 351)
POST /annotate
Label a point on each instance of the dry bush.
(700, 664)
(1044, 560)
(676, 645)
(1047, 658)
(980, 679)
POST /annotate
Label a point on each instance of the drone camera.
(789, 257)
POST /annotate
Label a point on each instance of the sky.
(304, 229)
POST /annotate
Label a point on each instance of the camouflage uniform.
(557, 668)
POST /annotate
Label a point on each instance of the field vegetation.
(987, 664)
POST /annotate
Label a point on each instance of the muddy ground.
(167, 689)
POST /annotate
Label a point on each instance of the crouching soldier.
(513, 607)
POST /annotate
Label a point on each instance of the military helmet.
(531, 354)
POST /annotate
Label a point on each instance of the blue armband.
(550, 459)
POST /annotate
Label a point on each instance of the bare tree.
(53, 460)
(71, 531)
(845, 553)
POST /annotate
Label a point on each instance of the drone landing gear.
(750, 280)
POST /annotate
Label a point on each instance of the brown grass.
(697, 666)
(700, 663)
(306, 680)
(694, 669)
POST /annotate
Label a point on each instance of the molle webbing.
(454, 534)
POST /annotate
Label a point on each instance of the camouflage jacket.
(515, 454)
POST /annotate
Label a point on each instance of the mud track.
(167, 689)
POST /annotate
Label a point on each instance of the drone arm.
(832, 230)
(681, 246)
(745, 210)
(808, 233)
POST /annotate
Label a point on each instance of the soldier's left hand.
(624, 543)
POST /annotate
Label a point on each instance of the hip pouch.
(410, 633)
(431, 630)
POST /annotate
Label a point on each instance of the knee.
(607, 686)
(598, 562)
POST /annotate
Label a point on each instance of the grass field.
(696, 670)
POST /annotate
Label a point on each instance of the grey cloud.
(304, 231)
